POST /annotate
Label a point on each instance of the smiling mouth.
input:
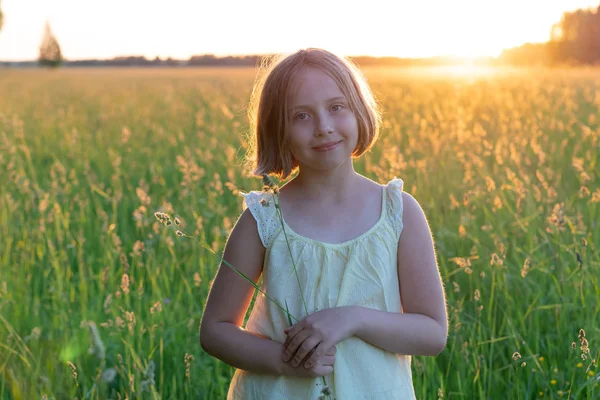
(327, 146)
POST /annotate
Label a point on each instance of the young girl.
(366, 266)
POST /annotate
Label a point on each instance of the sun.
(465, 67)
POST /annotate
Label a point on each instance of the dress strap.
(262, 208)
(395, 205)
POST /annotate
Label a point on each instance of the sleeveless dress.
(359, 272)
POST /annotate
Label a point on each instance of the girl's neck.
(331, 186)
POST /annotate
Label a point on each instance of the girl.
(364, 253)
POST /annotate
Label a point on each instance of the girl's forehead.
(313, 84)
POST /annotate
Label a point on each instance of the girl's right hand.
(323, 366)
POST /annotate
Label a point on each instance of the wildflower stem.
(251, 282)
(289, 250)
(239, 273)
(278, 208)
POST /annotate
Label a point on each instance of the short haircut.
(268, 114)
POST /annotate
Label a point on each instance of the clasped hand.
(316, 334)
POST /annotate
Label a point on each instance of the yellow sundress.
(359, 272)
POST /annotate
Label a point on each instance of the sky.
(180, 28)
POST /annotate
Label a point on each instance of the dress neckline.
(291, 232)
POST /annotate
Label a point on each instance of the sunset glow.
(179, 28)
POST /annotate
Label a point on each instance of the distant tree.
(576, 38)
(527, 54)
(50, 55)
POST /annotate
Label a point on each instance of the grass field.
(99, 300)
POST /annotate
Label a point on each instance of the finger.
(331, 352)
(289, 336)
(303, 350)
(302, 353)
(309, 356)
(290, 345)
(323, 370)
(291, 332)
(328, 360)
(293, 345)
(314, 355)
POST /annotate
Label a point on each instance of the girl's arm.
(246, 350)
(422, 328)
(221, 334)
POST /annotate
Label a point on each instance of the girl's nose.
(324, 127)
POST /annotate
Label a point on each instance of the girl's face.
(323, 130)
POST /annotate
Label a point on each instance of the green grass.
(506, 167)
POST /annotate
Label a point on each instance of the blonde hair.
(268, 110)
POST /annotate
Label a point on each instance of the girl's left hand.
(318, 332)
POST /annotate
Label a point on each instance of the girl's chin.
(324, 165)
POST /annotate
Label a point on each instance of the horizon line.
(218, 56)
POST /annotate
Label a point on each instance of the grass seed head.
(73, 369)
(98, 345)
(109, 375)
(269, 184)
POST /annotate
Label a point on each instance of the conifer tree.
(50, 54)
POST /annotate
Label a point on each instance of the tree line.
(574, 40)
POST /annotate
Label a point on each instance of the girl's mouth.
(327, 146)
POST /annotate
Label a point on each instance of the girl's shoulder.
(256, 198)
(395, 204)
(262, 207)
(395, 185)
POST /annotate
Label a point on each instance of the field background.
(505, 165)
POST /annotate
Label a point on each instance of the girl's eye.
(299, 116)
(338, 105)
